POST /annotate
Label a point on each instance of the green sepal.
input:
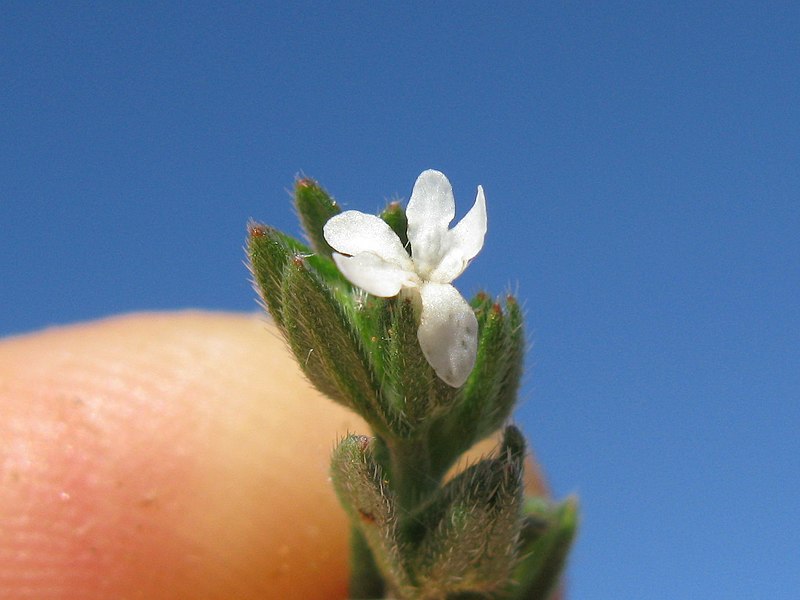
(515, 362)
(498, 369)
(369, 314)
(325, 343)
(470, 530)
(314, 207)
(410, 384)
(547, 535)
(488, 396)
(481, 303)
(269, 252)
(486, 379)
(395, 216)
(362, 487)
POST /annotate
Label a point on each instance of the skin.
(174, 455)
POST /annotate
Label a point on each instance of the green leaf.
(269, 252)
(470, 531)
(486, 379)
(498, 370)
(331, 348)
(514, 364)
(325, 344)
(512, 450)
(362, 488)
(547, 536)
(314, 207)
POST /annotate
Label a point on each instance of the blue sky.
(640, 162)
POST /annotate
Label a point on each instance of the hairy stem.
(366, 580)
(412, 477)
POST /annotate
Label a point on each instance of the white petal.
(448, 332)
(429, 212)
(373, 274)
(353, 232)
(465, 240)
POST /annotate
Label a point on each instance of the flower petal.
(464, 242)
(353, 232)
(448, 332)
(373, 274)
(429, 212)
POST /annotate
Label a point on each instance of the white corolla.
(373, 258)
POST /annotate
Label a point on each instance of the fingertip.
(157, 455)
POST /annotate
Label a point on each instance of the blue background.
(642, 168)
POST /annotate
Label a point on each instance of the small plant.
(369, 312)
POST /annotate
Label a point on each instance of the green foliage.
(464, 539)
(269, 252)
(413, 536)
(547, 535)
(471, 527)
(321, 337)
(314, 207)
(360, 482)
(410, 384)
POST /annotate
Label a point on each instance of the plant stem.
(412, 478)
(366, 580)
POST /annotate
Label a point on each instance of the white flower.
(372, 257)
